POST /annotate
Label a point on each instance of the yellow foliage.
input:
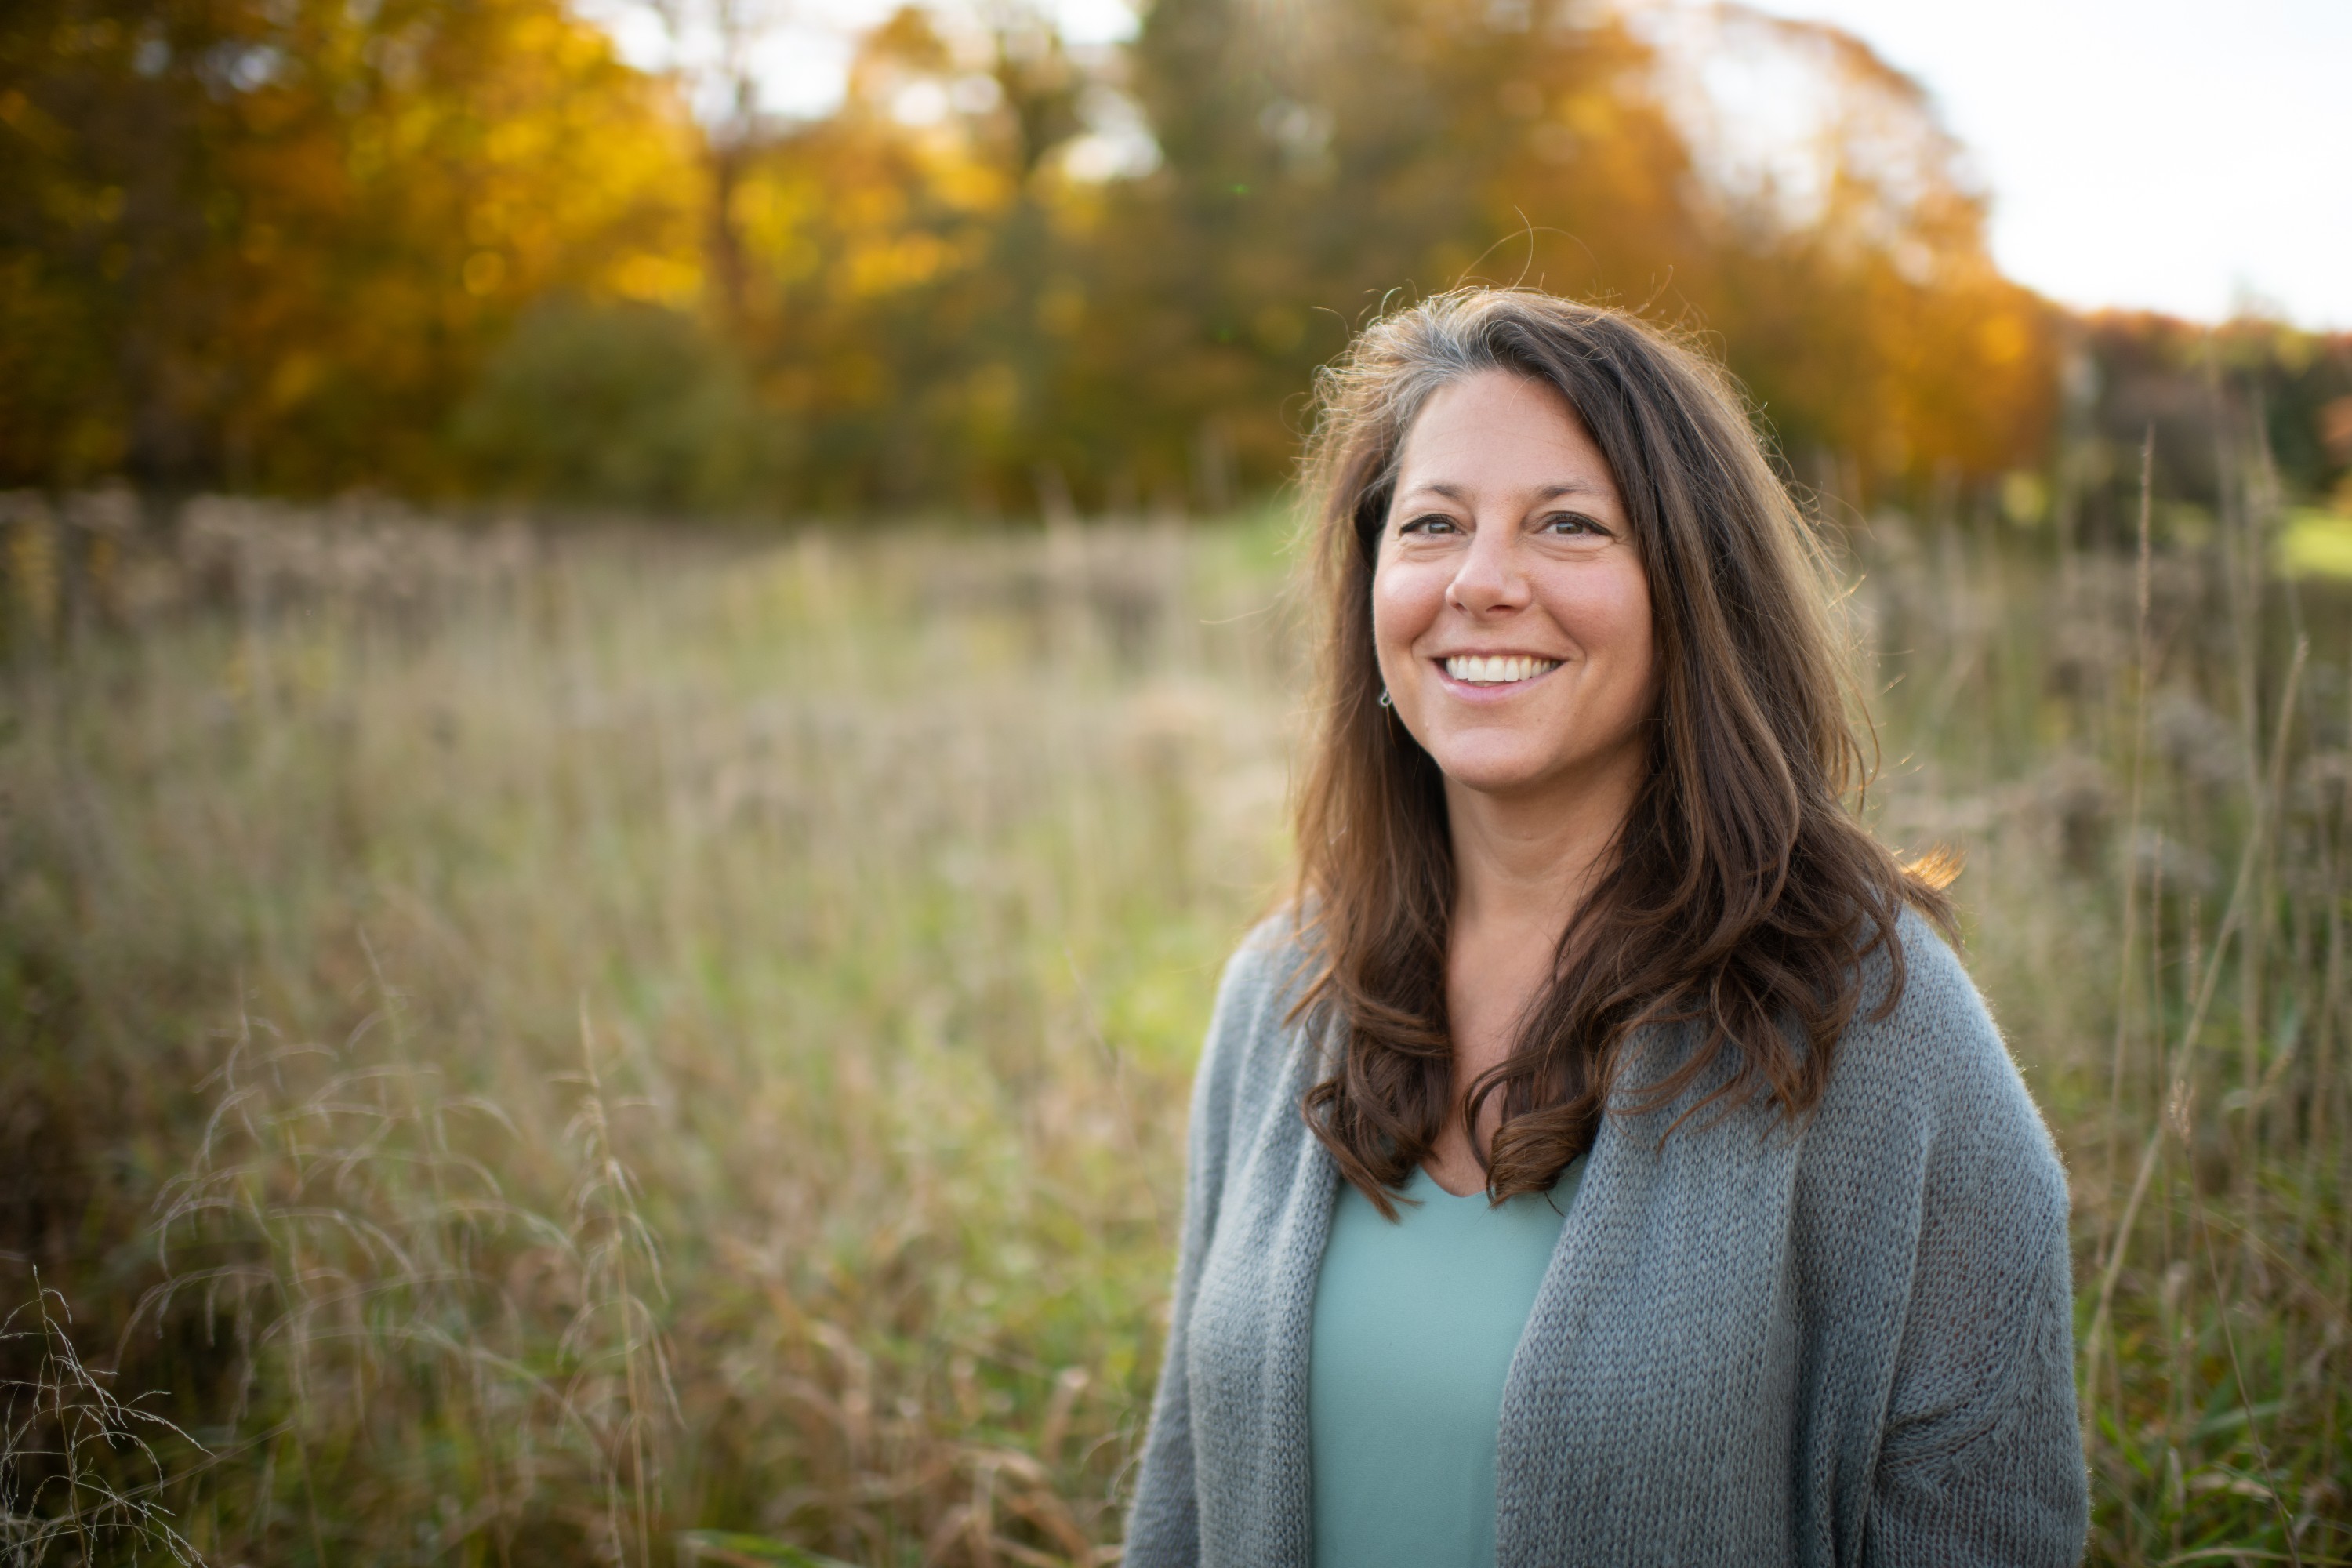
(655, 279)
(360, 226)
(894, 264)
(2316, 543)
(932, 305)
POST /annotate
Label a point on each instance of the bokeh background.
(635, 713)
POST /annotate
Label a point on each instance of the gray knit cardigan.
(1846, 1342)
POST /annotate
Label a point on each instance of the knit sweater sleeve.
(1982, 1457)
(1163, 1528)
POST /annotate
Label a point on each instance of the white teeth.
(1496, 670)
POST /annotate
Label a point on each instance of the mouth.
(1498, 670)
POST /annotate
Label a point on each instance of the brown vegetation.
(661, 1047)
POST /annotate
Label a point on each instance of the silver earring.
(1384, 698)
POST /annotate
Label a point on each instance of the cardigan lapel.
(1256, 1475)
(1290, 1285)
(1665, 1301)
(1295, 1268)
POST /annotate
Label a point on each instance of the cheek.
(1634, 632)
(1406, 598)
(1610, 615)
(1637, 639)
(1400, 615)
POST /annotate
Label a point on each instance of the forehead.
(1502, 433)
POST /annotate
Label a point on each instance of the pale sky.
(2145, 152)
(2183, 157)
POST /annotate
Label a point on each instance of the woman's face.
(1510, 612)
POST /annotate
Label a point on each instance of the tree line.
(452, 248)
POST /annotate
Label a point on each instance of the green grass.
(661, 1048)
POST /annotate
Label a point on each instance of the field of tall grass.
(648, 1047)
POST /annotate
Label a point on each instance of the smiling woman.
(1601, 1160)
(1511, 621)
(1511, 613)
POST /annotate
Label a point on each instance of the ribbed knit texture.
(1848, 1341)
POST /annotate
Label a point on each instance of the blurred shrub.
(619, 404)
(2212, 401)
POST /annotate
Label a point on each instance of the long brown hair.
(1743, 895)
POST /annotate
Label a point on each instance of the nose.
(1490, 579)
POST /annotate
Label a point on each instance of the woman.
(1603, 1161)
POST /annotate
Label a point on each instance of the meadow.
(605, 1043)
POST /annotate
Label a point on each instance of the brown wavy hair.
(1743, 894)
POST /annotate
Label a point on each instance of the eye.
(1434, 523)
(1572, 525)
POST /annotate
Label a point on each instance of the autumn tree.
(442, 245)
(269, 242)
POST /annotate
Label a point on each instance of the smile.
(1501, 669)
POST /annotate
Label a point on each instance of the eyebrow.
(1460, 494)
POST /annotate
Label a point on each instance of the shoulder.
(1930, 1080)
(1271, 966)
(1251, 1034)
(1936, 1045)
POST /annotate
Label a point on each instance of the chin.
(1489, 773)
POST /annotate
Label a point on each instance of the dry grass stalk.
(79, 1474)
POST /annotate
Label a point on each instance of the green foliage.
(733, 1549)
(629, 406)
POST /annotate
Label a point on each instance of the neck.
(1525, 862)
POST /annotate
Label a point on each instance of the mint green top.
(1415, 1325)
